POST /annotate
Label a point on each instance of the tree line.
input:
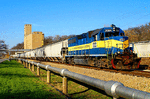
(140, 33)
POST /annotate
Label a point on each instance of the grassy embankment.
(75, 90)
(19, 82)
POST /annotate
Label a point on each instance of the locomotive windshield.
(110, 34)
(113, 32)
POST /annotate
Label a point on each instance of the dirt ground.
(140, 83)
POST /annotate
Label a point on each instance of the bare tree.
(57, 38)
(18, 46)
(141, 33)
(48, 40)
(3, 46)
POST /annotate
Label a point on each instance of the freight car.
(51, 52)
(107, 47)
(141, 48)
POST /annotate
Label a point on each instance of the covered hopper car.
(141, 48)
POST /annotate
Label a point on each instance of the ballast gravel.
(140, 83)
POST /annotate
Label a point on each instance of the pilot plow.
(126, 61)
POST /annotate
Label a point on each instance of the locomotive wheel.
(135, 64)
(118, 64)
(72, 61)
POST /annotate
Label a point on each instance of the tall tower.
(27, 31)
(32, 40)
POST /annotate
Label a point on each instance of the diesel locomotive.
(107, 47)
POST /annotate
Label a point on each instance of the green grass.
(19, 82)
(75, 90)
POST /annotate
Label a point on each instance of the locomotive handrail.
(113, 88)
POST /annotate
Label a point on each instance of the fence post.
(29, 66)
(18, 61)
(65, 82)
(33, 67)
(48, 76)
(26, 64)
(38, 71)
(22, 62)
(65, 85)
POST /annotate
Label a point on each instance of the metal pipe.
(47, 67)
(131, 93)
(42, 66)
(113, 88)
(85, 79)
(54, 69)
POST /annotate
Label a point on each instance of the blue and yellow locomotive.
(107, 47)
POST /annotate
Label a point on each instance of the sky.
(67, 17)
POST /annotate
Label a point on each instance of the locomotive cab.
(115, 40)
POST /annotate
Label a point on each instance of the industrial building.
(32, 40)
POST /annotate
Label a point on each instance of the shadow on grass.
(80, 92)
(89, 87)
(80, 97)
(40, 94)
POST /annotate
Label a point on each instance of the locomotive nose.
(125, 42)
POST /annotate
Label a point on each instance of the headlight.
(118, 52)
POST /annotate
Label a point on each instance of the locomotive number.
(108, 30)
(94, 45)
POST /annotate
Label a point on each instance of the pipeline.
(112, 88)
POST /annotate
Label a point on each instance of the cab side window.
(101, 36)
(121, 34)
(95, 37)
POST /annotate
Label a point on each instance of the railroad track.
(138, 73)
